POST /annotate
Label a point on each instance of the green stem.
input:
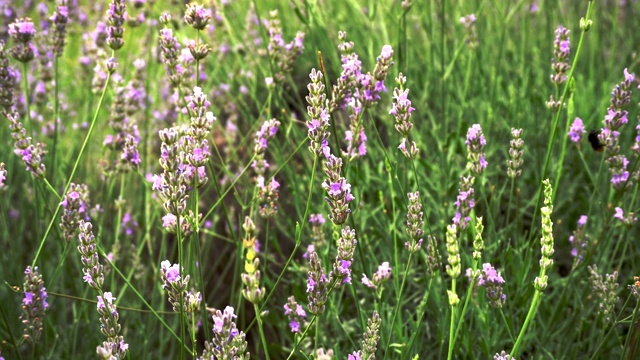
(452, 323)
(533, 308)
(263, 339)
(398, 299)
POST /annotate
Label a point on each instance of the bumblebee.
(594, 140)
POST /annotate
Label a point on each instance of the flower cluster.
(116, 15)
(351, 66)
(628, 220)
(282, 54)
(7, 81)
(251, 277)
(379, 277)
(75, 207)
(318, 123)
(174, 181)
(194, 142)
(433, 258)
(515, 154)
(338, 190)
(365, 93)
(114, 347)
(469, 24)
(197, 16)
(371, 86)
(22, 30)
(475, 143)
(34, 304)
(578, 241)
(170, 50)
(478, 241)
(267, 193)
(176, 287)
(414, 222)
(346, 248)
(613, 121)
(369, 340)
(606, 291)
(576, 131)
(453, 252)
(295, 313)
(32, 155)
(401, 111)
(59, 19)
(546, 240)
(464, 202)
(317, 285)
(228, 342)
(561, 51)
(492, 281)
(91, 268)
(356, 140)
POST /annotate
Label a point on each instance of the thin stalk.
(533, 309)
(73, 171)
(263, 339)
(395, 311)
(452, 323)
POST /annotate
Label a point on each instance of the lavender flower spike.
(295, 313)
(317, 285)
(475, 143)
(114, 347)
(318, 123)
(383, 274)
(346, 248)
(34, 304)
(228, 342)
(22, 30)
(338, 190)
(576, 131)
(117, 14)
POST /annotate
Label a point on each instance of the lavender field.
(319, 179)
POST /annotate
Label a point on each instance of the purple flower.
(171, 271)
(578, 241)
(34, 304)
(576, 131)
(619, 213)
(316, 219)
(475, 143)
(22, 30)
(295, 313)
(383, 274)
(101, 301)
(560, 61)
